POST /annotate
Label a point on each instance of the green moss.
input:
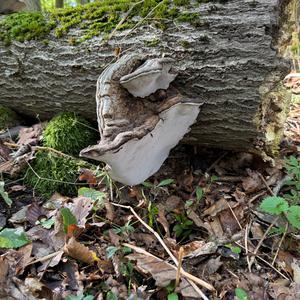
(100, 17)
(69, 133)
(8, 118)
(184, 43)
(152, 43)
(24, 26)
(53, 173)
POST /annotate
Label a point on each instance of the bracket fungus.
(141, 117)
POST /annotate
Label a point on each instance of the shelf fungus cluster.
(141, 117)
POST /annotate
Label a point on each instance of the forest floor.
(210, 224)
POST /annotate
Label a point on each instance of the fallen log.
(227, 55)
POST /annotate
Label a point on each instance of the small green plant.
(172, 295)
(69, 133)
(241, 294)
(152, 213)
(183, 226)
(124, 230)
(286, 205)
(278, 205)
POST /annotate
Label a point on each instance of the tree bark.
(231, 63)
(59, 3)
(33, 5)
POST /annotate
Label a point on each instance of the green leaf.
(199, 193)
(68, 218)
(165, 182)
(48, 223)
(79, 297)
(111, 296)
(13, 238)
(241, 294)
(4, 194)
(234, 249)
(293, 216)
(173, 296)
(91, 194)
(147, 184)
(274, 205)
(110, 251)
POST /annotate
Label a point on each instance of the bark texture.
(230, 63)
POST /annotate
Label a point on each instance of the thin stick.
(261, 241)
(187, 275)
(203, 283)
(41, 259)
(267, 263)
(280, 243)
(142, 21)
(234, 215)
(123, 19)
(180, 257)
(246, 247)
(266, 184)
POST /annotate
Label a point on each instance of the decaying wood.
(231, 63)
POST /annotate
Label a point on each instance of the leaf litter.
(225, 228)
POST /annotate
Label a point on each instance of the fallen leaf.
(162, 273)
(296, 271)
(253, 182)
(162, 219)
(81, 208)
(31, 135)
(88, 176)
(203, 249)
(13, 238)
(34, 212)
(80, 252)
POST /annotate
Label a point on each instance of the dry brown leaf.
(253, 182)
(203, 249)
(4, 152)
(80, 208)
(31, 135)
(296, 271)
(110, 212)
(80, 252)
(88, 176)
(17, 188)
(162, 219)
(219, 206)
(34, 212)
(212, 266)
(162, 273)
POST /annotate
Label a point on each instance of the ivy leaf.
(147, 184)
(13, 238)
(4, 194)
(241, 294)
(111, 296)
(199, 193)
(165, 182)
(293, 216)
(68, 218)
(47, 224)
(274, 205)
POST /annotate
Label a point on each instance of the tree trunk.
(231, 63)
(33, 5)
(59, 3)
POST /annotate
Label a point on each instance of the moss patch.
(24, 26)
(69, 133)
(8, 118)
(57, 174)
(95, 18)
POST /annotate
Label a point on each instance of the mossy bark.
(230, 61)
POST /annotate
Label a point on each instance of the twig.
(142, 21)
(246, 247)
(123, 19)
(41, 259)
(280, 243)
(267, 263)
(13, 145)
(187, 275)
(266, 184)
(180, 257)
(261, 241)
(203, 283)
(234, 215)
